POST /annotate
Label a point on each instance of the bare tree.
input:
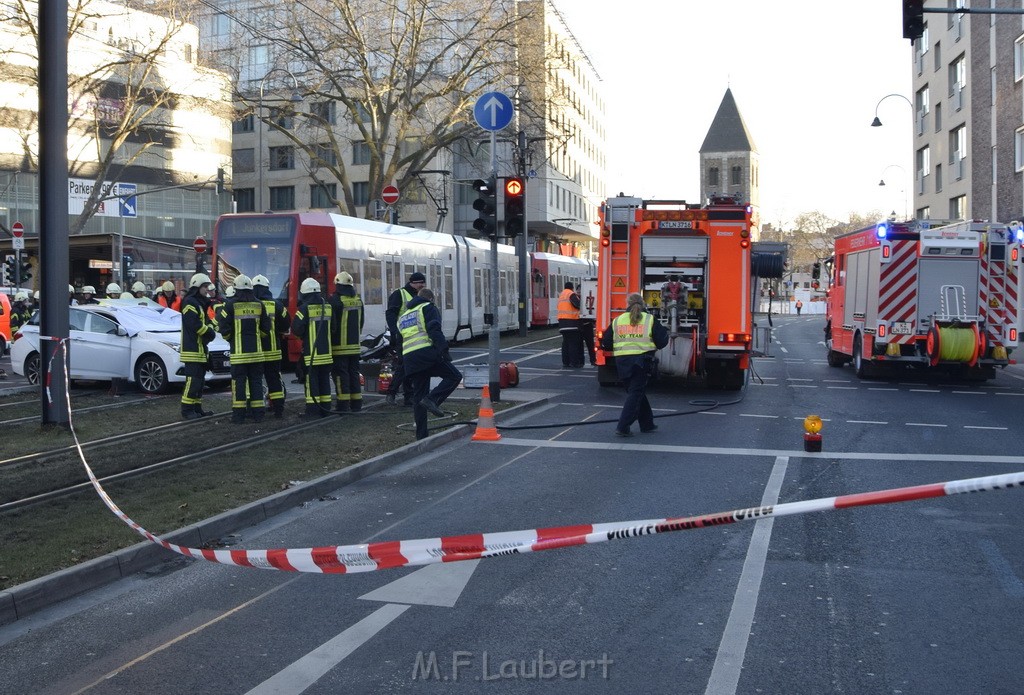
(403, 74)
(121, 88)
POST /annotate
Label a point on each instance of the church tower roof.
(728, 132)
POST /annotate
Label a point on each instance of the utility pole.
(522, 243)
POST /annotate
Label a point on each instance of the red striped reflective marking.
(387, 554)
(470, 546)
(209, 555)
(240, 558)
(562, 536)
(326, 558)
(278, 557)
(902, 494)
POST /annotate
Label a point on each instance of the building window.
(938, 178)
(957, 81)
(1018, 149)
(188, 53)
(957, 144)
(361, 192)
(244, 124)
(1018, 58)
(362, 113)
(938, 117)
(924, 158)
(282, 197)
(282, 157)
(938, 56)
(325, 111)
(243, 160)
(282, 117)
(245, 199)
(323, 195)
(324, 154)
(958, 208)
(713, 176)
(735, 180)
(360, 153)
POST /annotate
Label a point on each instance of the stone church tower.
(728, 158)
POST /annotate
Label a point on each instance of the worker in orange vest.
(569, 327)
(799, 306)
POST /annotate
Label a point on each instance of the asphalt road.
(918, 597)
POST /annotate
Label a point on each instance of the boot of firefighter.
(342, 406)
(237, 416)
(355, 405)
(312, 411)
(257, 413)
(188, 412)
(277, 406)
(198, 407)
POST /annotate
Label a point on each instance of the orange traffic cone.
(485, 429)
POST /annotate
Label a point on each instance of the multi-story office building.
(968, 115)
(293, 127)
(144, 117)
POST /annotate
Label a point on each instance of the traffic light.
(486, 205)
(10, 270)
(26, 271)
(913, 19)
(816, 270)
(220, 180)
(128, 268)
(515, 206)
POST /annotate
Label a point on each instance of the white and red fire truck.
(644, 243)
(911, 293)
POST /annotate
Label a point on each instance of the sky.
(807, 76)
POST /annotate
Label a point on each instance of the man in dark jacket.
(347, 324)
(280, 322)
(197, 330)
(425, 353)
(396, 305)
(244, 322)
(312, 324)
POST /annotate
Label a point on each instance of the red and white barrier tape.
(342, 559)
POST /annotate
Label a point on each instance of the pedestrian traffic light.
(486, 205)
(10, 270)
(913, 19)
(515, 206)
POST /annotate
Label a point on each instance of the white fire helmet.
(88, 289)
(343, 278)
(167, 287)
(229, 292)
(242, 282)
(199, 279)
(260, 281)
(139, 286)
(113, 289)
(309, 286)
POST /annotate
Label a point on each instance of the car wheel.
(32, 368)
(860, 365)
(151, 375)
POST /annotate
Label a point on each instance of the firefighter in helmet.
(280, 323)
(347, 324)
(312, 324)
(113, 291)
(244, 322)
(88, 295)
(196, 333)
(139, 290)
(20, 311)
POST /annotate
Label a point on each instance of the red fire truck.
(709, 249)
(945, 297)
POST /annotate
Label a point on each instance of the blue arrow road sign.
(127, 202)
(493, 111)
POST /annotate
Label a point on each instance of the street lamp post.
(876, 123)
(903, 189)
(295, 99)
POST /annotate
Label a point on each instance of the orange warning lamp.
(812, 428)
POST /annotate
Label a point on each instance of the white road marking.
(783, 349)
(925, 391)
(847, 388)
(980, 427)
(924, 424)
(772, 417)
(711, 412)
(836, 381)
(867, 422)
(725, 674)
(793, 378)
(802, 386)
(878, 388)
(1010, 394)
(972, 393)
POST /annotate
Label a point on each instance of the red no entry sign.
(389, 195)
(199, 245)
(18, 229)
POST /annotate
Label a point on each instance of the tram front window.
(256, 246)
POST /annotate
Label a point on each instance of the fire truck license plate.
(902, 328)
(675, 224)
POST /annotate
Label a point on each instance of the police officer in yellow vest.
(347, 308)
(425, 354)
(569, 327)
(244, 322)
(633, 337)
(396, 305)
(312, 324)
